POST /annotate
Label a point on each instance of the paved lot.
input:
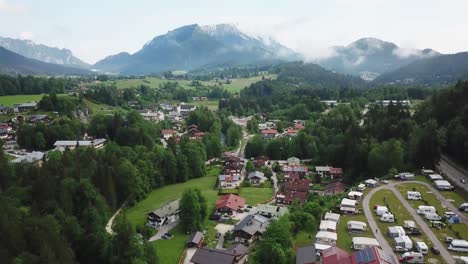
(163, 230)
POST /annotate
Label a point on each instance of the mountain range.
(194, 46)
(13, 63)
(370, 57)
(43, 53)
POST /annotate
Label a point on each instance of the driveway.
(163, 230)
(189, 254)
(426, 229)
(223, 229)
(454, 172)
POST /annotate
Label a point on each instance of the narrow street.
(454, 172)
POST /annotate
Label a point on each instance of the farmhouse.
(260, 161)
(167, 214)
(250, 228)
(301, 185)
(257, 177)
(443, 185)
(229, 203)
(228, 181)
(329, 171)
(292, 176)
(233, 169)
(61, 145)
(24, 107)
(271, 211)
(301, 170)
(289, 197)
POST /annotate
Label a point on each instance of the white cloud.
(6, 7)
(27, 35)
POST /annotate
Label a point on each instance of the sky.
(94, 29)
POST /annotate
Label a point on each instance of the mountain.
(13, 63)
(193, 46)
(443, 69)
(370, 57)
(42, 53)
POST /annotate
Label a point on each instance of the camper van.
(423, 209)
(403, 244)
(413, 195)
(364, 242)
(432, 216)
(459, 245)
(422, 248)
(463, 207)
(412, 257)
(361, 187)
(389, 218)
(380, 210)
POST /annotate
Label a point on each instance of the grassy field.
(212, 105)
(97, 107)
(401, 214)
(235, 86)
(441, 209)
(255, 195)
(10, 100)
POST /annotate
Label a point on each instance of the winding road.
(425, 228)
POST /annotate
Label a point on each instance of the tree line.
(14, 85)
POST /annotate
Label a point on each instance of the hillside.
(193, 46)
(42, 53)
(445, 69)
(13, 63)
(370, 57)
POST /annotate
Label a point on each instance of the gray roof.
(85, 143)
(276, 211)
(212, 256)
(306, 255)
(167, 209)
(237, 249)
(195, 237)
(252, 224)
(256, 174)
(29, 157)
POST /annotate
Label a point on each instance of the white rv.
(413, 195)
(422, 248)
(356, 226)
(361, 187)
(389, 218)
(327, 238)
(432, 216)
(380, 210)
(422, 209)
(412, 257)
(364, 242)
(463, 207)
(403, 242)
(459, 245)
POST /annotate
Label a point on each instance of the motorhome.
(413, 195)
(422, 248)
(422, 209)
(356, 226)
(463, 207)
(380, 210)
(364, 242)
(459, 245)
(412, 257)
(403, 242)
(432, 217)
(388, 218)
(361, 187)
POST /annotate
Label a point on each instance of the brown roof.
(292, 196)
(230, 201)
(213, 256)
(336, 171)
(292, 176)
(335, 187)
(301, 185)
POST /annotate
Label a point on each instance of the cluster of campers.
(384, 213)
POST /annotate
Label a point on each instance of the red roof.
(299, 126)
(336, 171)
(269, 131)
(301, 185)
(291, 131)
(230, 201)
(379, 256)
(335, 255)
(167, 132)
(292, 176)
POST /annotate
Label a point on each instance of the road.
(454, 172)
(426, 229)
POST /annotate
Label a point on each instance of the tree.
(425, 145)
(249, 166)
(190, 211)
(276, 243)
(382, 157)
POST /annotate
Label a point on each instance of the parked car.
(239, 210)
(449, 215)
(438, 224)
(462, 180)
(218, 235)
(246, 210)
(400, 249)
(435, 250)
(249, 206)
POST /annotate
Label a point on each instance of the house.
(364, 242)
(302, 170)
(173, 116)
(5, 110)
(195, 240)
(228, 181)
(299, 124)
(353, 195)
(271, 211)
(269, 133)
(335, 255)
(334, 188)
(166, 214)
(260, 161)
(61, 145)
(307, 255)
(336, 173)
(356, 226)
(233, 169)
(229, 203)
(370, 183)
(233, 160)
(293, 161)
(395, 231)
(326, 225)
(301, 185)
(231, 255)
(322, 170)
(370, 255)
(24, 107)
(257, 177)
(250, 228)
(291, 132)
(332, 217)
(153, 116)
(348, 206)
(326, 238)
(185, 109)
(289, 197)
(167, 133)
(29, 157)
(292, 176)
(443, 185)
(39, 118)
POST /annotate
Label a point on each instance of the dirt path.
(111, 220)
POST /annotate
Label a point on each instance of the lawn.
(345, 238)
(303, 239)
(211, 105)
(10, 100)
(401, 214)
(256, 195)
(170, 251)
(96, 107)
(431, 199)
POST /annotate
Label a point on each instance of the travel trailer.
(422, 248)
(403, 242)
(459, 245)
(412, 257)
(364, 242)
(361, 187)
(413, 195)
(380, 210)
(423, 209)
(432, 216)
(389, 218)
(356, 226)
